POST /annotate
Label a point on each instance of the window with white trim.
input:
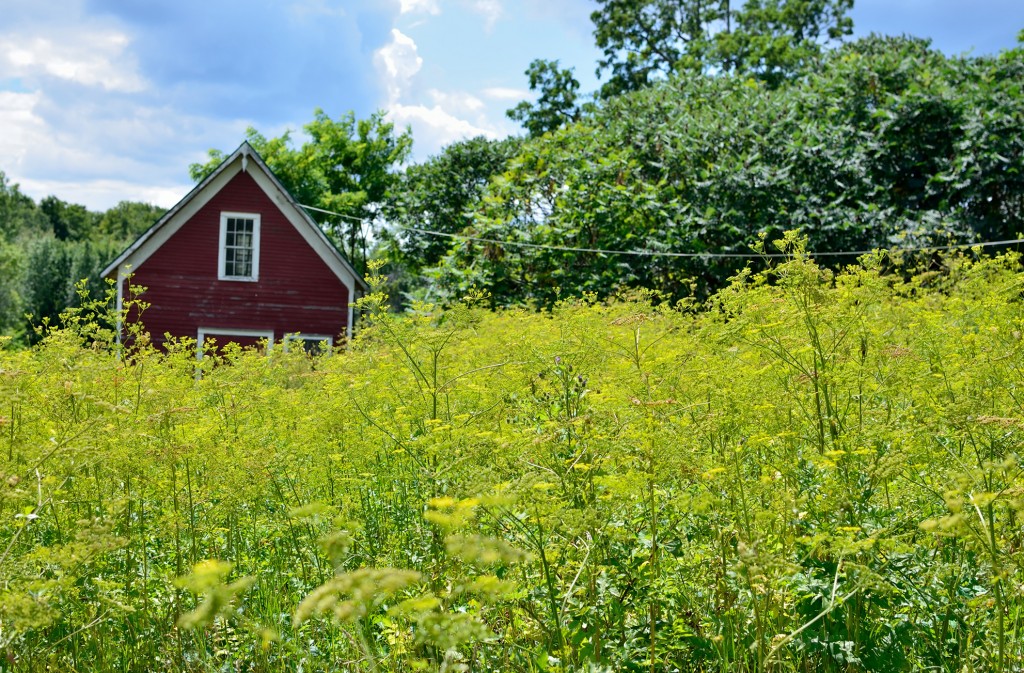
(239, 257)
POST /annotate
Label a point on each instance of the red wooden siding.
(296, 290)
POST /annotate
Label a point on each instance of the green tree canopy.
(128, 219)
(889, 144)
(439, 195)
(19, 214)
(556, 104)
(47, 249)
(69, 221)
(643, 41)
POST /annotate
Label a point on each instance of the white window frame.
(299, 336)
(222, 247)
(229, 332)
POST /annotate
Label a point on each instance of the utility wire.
(705, 255)
(700, 255)
(361, 220)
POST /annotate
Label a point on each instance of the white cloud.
(96, 59)
(102, 194)
(507, 93)
(23, 128)
(397, 62)
(437, 116)
(434, 127)
(75, 152)
(490, 10)
(420, 7)
(457, 101)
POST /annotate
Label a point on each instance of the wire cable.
(709, 255)
(361, 220)
(691, 255)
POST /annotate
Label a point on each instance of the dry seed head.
(635, 319)
(1000, 421)
(483, 550)
(365, 588)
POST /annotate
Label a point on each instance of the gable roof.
(243, 160)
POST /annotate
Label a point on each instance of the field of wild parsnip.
(812, 472)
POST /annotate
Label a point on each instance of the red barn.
(238, 260)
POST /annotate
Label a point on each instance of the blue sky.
(110, 100)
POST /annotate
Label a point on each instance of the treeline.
(884, 143)
(47, 248)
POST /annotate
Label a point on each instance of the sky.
(110, 100)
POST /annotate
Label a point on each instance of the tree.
(53, 269)
(347, 167)
(19, 215)
(12, 268)
(439, 195)
(556, 105)
(647, 40)
(69, 221)
(775, 40)
(127, 220)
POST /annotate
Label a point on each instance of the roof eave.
(244, 149)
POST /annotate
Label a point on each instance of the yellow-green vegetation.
(811, 472)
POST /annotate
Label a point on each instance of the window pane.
(239, 246)
(243, 263)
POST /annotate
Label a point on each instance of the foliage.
(55, 273)
(347, 166)
(643, 41)
(818, 471)
(891, 144)
(68, 221)
(556, 104)
(128, 220)
(19, 215)
(11, 269)
(778, 40)
(47, 249)
(437, 195)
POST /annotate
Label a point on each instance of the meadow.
(810, 472)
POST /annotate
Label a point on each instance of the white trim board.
(299, 336)
(230, 332)
(168, 225)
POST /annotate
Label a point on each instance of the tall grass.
(812, 472)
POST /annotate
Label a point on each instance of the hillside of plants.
(813, 470)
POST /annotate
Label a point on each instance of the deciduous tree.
(647, 40)
(887, 144)
(556, 103)
(438, 195)
(69, 221)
